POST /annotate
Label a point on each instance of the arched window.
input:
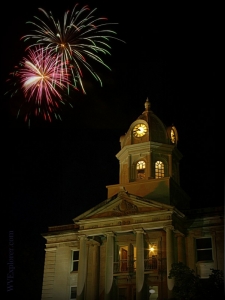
(159, 169)
(140, 167)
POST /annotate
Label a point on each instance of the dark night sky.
(55, 171)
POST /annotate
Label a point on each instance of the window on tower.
(140, 167)
(159, 169)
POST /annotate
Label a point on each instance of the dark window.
(204, 249)
(75, 260)
(73, 292)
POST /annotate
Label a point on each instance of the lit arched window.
(159, 169)
(140, 169)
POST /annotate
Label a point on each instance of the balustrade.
(129, 266)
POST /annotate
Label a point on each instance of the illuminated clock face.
(172, 136)
(140, 130)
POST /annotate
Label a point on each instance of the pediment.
(122, 204)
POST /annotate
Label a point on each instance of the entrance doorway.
(127, 292)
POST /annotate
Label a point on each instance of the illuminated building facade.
(123, 248)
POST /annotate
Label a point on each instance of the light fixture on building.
(151, 248)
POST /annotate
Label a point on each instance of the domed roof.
(157, 130)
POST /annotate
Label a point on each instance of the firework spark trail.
(79, 38)
(40, 75)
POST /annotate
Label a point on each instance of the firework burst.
(42, 77)
(79, 38)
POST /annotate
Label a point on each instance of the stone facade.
(123, 248)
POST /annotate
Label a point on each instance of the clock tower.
(124, 247)
(149, 161)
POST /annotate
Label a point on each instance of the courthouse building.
(123, 247)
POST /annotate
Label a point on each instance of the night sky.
(54, 171)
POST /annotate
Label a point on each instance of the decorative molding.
(82, 236)
(109, 233)
(178, 234)
(139, 230)
(50, 249)
(94, 241)
(126, 208)
(168, 227)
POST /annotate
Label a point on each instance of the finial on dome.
(147, 105)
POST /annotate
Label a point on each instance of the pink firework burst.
(80, 37)
(43, 78)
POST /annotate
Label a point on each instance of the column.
(95, 274)
(151, 167)
(109, 265)
(180, 248)
(178, 173)
(169, 258)
(131, 176)
(121, 172)
(190, 251)
(49, 274)
(139, 263)
(82, 268)
(170, 165)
